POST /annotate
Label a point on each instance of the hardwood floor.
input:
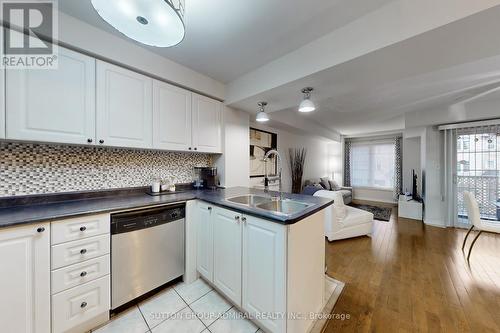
(413, 278)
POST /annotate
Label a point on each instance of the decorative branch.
(297, 160)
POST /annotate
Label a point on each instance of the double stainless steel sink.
(271, 204)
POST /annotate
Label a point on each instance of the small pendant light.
(262, 116)
(307, 105)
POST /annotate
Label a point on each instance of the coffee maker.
(205, 177)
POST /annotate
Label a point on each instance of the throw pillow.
(311, 189)
(324, 182)
(334, 186)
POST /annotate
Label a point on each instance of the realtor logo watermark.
(31, 28)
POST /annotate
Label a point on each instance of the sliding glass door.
(478, 171)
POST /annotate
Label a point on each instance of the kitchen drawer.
(77, 251)
(85, 305)
(80, 228)
(77, 274)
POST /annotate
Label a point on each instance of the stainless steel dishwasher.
(147, 251)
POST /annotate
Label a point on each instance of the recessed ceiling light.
(307, 105)
(262, 116)
(151, 22)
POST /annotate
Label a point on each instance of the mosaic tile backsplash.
(40, 168)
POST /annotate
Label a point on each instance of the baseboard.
(376, 200)
(434, 223)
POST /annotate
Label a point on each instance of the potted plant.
(297, 161)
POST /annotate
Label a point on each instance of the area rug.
(333, 289)
(379, 213)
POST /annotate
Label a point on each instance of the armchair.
(343, 221)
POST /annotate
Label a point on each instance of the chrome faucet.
(278, 175)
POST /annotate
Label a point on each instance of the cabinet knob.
(195, 148)
(41, 229)
(189, 148)
(83, 251)
(84, 304)
(209, 208)
(89, 140)
(83, 274)
(236, 217)
(244, 219)
(101, 141)
(83, 228)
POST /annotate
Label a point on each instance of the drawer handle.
(84, 304)
(83, 251)
(83, 274)
(41, 229)
(83, 228)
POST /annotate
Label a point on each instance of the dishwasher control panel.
(146, 218)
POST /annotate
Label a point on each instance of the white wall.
(232, 166)
(412, 161)
(321, 161)
(434, 213)
(371, 194)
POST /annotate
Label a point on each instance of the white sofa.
(343, 221)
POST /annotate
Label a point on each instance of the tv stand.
(410, 209)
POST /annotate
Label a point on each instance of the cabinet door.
(264, 269)
(204, 248)
(2, 103)
(53, 105)
(227, 253)
(124, 107)
(207, 118)
(171, 117)
(25, 279)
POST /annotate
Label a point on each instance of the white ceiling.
(228, 38)
(373, 92)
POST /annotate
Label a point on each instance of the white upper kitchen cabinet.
(227, 229)
(56, 105)
(264, 271)
(171, 117)
(25, 279)
(2, 103)
(207, 120)
(124, 107)
(205, 248)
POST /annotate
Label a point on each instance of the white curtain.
(450, 177)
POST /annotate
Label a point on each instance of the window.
(372, 165)
(478, 170)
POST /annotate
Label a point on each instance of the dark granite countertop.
(27, 212)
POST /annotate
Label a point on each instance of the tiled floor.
(187, 308)
(183, 308)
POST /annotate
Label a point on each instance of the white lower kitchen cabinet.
(25, 279)
(264, 271)
(80, 263)
(81, 308)
(205, 244)
(270, 270)
(227, 227)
